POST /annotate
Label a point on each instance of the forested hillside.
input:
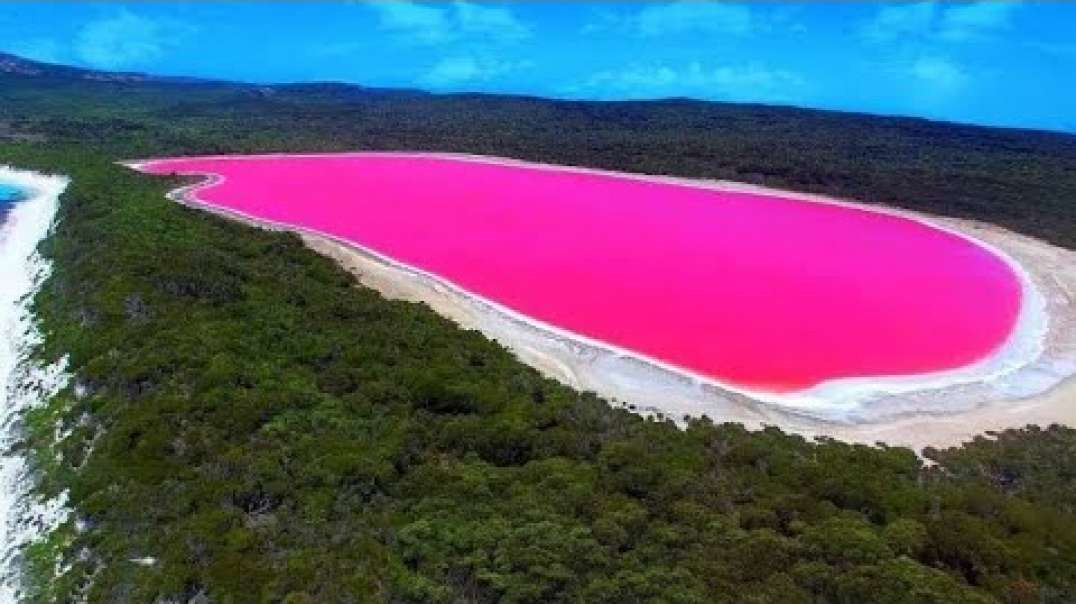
(1022, 179)
(266, 430)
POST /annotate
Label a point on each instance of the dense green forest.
(269, 431)
(1022, 179)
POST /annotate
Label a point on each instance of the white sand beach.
(23, 383)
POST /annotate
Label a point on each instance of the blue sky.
(992, 62)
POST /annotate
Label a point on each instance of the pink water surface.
(751, 289)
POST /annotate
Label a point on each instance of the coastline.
(24, 382)
(658, 388)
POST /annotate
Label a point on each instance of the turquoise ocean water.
(8, 193)
(8, 196)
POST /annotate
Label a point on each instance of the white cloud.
(929, 84)
(787, 19)
(691, 16)
(972, 21)
(673, 18)
(420, 22)
(126, 40)
(748, 82)
(438, 24)
(899, 21)
(603, 21)
(478, 20)
(937, 21)
(454, 71)
(941, 73)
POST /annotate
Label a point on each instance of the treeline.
(1021, 179)
(267, 431)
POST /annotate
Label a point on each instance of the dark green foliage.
(1038, 464)
(1021, 179)
(270, 432)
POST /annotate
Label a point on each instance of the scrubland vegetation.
(268, 431)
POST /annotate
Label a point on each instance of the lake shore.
(652, 390)
(906, 417)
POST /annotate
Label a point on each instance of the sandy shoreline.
(1012, 398)
(24, 383)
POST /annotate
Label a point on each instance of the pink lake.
(754, 290)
